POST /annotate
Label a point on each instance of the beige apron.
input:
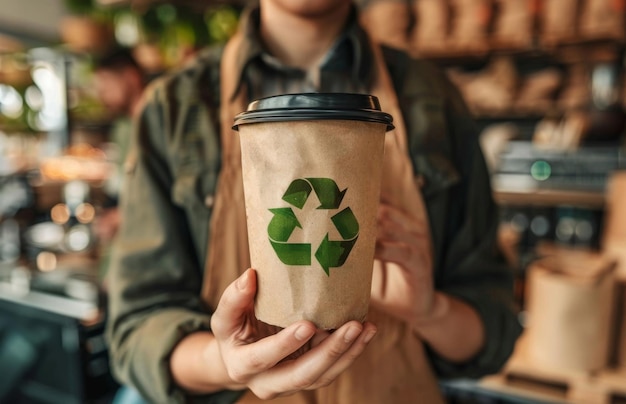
(394, 367)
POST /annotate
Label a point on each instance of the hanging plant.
(88, 29)
(221, 23)
(81, 7)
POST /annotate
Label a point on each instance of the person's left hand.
(403, 285)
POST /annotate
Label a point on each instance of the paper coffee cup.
(311, 167)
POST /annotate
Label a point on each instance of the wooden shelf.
(523, 378)
(570, 51)
(514, 116)
(549, 197)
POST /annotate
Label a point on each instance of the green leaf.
(327, 192)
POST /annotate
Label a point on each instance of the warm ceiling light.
(85, 213)
(60, 213)
(46, 261)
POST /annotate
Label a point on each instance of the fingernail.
(368, 337)
(303, 333)
(242, 282)
(352, 334)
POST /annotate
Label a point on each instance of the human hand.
(262, 361)
(402, 284)
(106, 224)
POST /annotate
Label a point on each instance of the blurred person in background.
(119, 81)
(181, 323)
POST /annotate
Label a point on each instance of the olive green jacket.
(157, 269)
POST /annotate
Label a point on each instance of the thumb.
(234, 305)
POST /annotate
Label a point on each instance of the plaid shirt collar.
(351, 51)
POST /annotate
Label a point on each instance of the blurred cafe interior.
(545, 81)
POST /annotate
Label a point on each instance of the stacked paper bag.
(514, 23)
(614, 244)
(602, 19)
(429, 34)
(570, 307)
(388, 21)
(558, 20)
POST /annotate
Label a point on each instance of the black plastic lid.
(314, 106)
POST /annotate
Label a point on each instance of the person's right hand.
(264, 362)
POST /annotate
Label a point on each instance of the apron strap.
(228, 254)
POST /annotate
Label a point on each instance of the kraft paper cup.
(311, 167)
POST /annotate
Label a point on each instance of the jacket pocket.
(194, 191)
(185, 191)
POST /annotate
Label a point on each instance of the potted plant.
(88, 28)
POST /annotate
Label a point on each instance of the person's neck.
(300, 41)
(135, 107)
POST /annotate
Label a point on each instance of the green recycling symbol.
(330, 253)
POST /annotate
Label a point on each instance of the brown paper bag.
(619, 357)
(570, 307)
(559, 20)
(513, 26)
(537, 91)
(469, 25)
(576, 93)
(614, 237)
(430, 31)
(388, 22)
(614, 245)
(602, 19)
(492, 90)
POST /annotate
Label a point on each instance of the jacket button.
(209, 200)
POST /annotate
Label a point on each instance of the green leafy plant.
(80, 6)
